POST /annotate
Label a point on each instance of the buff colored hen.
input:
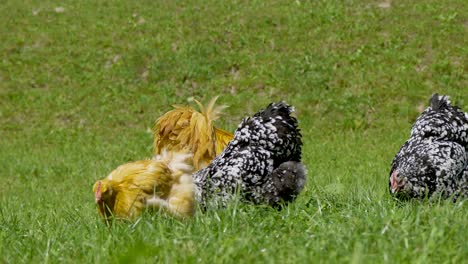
(164, 182)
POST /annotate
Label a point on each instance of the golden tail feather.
(184, 128)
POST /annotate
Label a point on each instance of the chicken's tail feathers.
(280, 108)
(202, 135)
(439, 102)
(168, 128)
(442, 120)
(187, 128)
(289, 179)
(286, 127)
(211, 111)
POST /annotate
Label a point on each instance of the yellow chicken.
(164, 182)
(184, 128)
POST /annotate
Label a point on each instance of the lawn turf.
(81, 83)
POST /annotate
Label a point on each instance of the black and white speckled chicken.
(435, 158)
(261, 164)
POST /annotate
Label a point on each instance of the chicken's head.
(103, 194)
(102, 191)
(396, 182)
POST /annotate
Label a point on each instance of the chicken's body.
(185, 129)
(435, 158)
(163, 182)
(262, 162)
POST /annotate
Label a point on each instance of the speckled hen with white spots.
(435, 158)
(261, 164)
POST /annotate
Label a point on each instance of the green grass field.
(81, 83)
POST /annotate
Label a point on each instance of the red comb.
(98, 191)
(394, 180)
